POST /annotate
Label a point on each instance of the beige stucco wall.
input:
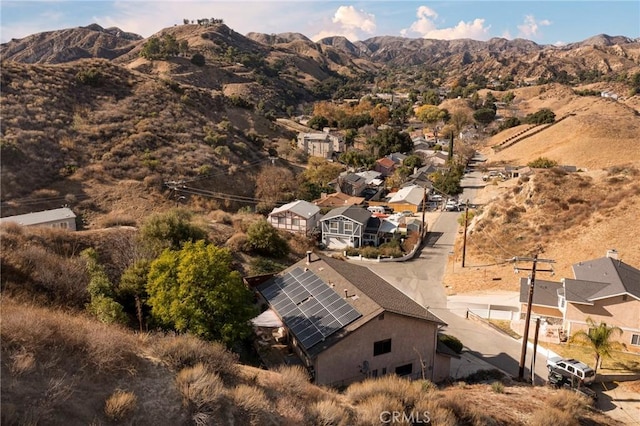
(613, 311)
(411, 339)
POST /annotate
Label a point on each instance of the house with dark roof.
(297, 216)
(351, 184)
(62, 218)
(346, 323)
(604, 289)
(344, 227)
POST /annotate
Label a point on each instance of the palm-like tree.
(599, 338)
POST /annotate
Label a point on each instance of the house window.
(374, 373)
(64, 225)
(381, 347)
(333, 226)
(281, 220)
(404, 370)
(348, 227)
(635, 339)
(295, 221)
(384, 371)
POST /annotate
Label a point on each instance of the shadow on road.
(432, 238)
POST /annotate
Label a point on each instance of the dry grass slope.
(59, 368)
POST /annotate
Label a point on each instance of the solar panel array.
(308, 306)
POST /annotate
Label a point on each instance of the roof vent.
(612, 253)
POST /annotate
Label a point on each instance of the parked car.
(574, 367)
(451, 206)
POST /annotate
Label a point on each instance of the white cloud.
(507, 34)
(560, 43)
(426, 26)
(530, 28)
(350, 18)
(348, 22)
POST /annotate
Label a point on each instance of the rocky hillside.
(54, 47)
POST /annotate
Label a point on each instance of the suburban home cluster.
(604, 289)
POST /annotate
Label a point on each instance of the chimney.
(612, 253)
(308, 257)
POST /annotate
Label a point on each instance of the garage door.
(338, 243)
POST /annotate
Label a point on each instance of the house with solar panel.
(298, 216)
(604, 289)
(345, 323)
(344, 227)
(62, 218)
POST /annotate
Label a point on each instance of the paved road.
(421, 279)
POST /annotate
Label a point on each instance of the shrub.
(264, 239)
(180, 351)
(370, 252)
(238, 243)
(542, 163)
(91, 77)
(497, 387)
(552, 416)
(119, 405)
(200, 387)
(328, 412)
(543, 116)
(451, 342)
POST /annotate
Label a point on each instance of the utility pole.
(424, 207)
(464, 236)
(532, 283)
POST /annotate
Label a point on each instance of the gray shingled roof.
(619, 277)
(355, 213)
(298, 207)
(545, 293)
(367, 292)
(379, 290)
(582, 291)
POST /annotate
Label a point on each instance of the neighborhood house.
(345, 323)
(321, 144)
(297, 216)
(344, 227)
(604, 289)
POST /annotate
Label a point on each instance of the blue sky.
(545, 22)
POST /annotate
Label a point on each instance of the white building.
(321, 144)
(57, 218)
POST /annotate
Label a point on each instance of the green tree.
(413, 161)
(542, 116)
(170, 230)
(390, 140)
(100, 289)
(264, 239)
(599, 337)
(484, 115)
(132, 291)
(195, 290)
(318, 122)
(431, 115)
